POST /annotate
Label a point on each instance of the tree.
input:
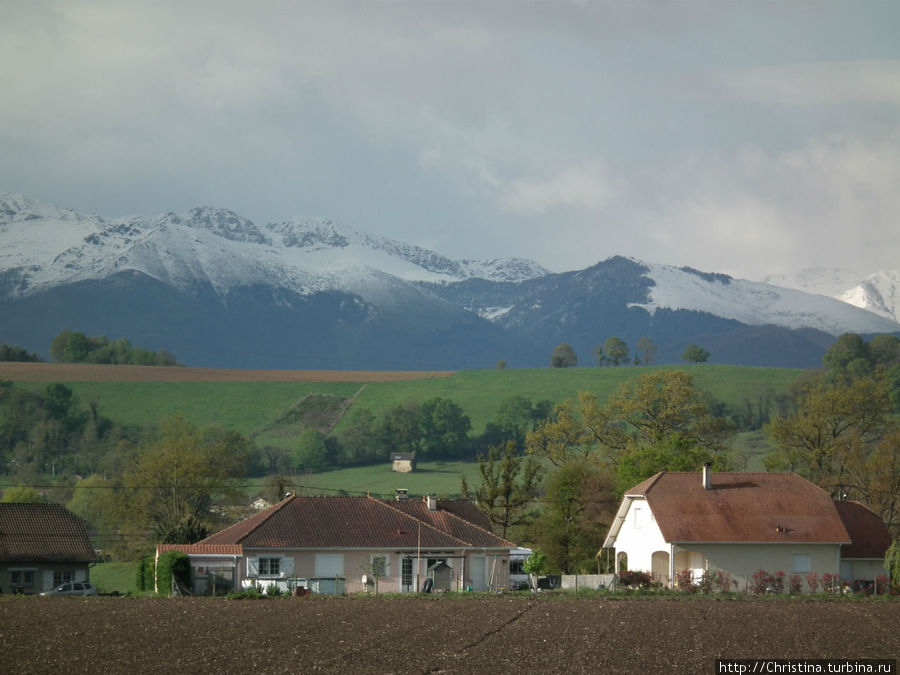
(445, 428)
(695, 354)
(848, 351)
(563, 356)
(833, 422)
(534, 566)
(660, 404)
(310, 453)
(579, 503)
(645, 351)
(175, 482)
(616, 351)
(401, 429)
(509, 485)
(21, 494)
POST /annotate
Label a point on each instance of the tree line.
(614, 352)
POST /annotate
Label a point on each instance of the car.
(73, 588)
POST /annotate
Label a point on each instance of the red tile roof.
(43, 533)
(201, 549)
(867, 530)
(741, 507)
(353, 522)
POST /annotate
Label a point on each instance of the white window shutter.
(252, 567)
(47, 581)
(80, 575)
(287, 568)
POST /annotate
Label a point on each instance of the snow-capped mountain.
(878, 293)
(216, 289)
(46, 246)
(757, 304)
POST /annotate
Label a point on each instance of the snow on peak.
(756, 303)
(45, 246)
(879, 293)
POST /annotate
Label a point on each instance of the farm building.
(740, 523)
(41, 547)
(353, 544)
(403, 462)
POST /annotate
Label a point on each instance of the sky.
(743, 137)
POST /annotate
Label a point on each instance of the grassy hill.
(274, 411)
(257, 406)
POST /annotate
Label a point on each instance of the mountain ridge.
(342, 296)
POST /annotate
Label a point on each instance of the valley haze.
(219, 290)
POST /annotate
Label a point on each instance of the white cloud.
(815, 84)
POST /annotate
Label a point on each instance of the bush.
(831, 583)
(173, 566)
(684, 581)
(723, 581)
(796, 584)
(635, 579)
(812, 580)
(760, 582)
(273, 591)
(145, 572)
(777, 582)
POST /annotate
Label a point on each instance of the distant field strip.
(79, 372)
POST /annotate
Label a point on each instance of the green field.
(250, 407)
(261, 410)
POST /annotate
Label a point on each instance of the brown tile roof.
(352, 522)
(452, 522)
(43, 533)
(201, 549)
(741, 507)
(867, 530)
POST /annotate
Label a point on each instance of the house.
(862, 560)
(41, 547)
(353, 544)
(739, 523)
(403, 462)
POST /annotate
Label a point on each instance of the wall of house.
(40, 575)
(639, 536)
(478, 571)
(856, 570)
(742, 561)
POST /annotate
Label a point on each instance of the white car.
(73, 588)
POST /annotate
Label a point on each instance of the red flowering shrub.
(812, 580)
(684, 580)
(723, 581)
(760, 582)
(796, 584)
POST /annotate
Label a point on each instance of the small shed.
(441, 575)
(403, 462)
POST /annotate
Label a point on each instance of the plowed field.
(77, 372)
(505, 634)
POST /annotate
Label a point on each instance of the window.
(62, 577)
(269, 567)
(407, 572)
(802, 563)
(638, 517)
(380, 565)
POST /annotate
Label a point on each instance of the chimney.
(402, 494)
(707, 476)
(431, 500)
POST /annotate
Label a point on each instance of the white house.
(740, 523)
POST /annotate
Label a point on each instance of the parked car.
(73, 588)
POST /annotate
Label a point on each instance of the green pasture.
(378, 480)
(253, 407)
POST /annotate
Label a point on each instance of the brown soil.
(77, 372)
(432, 634)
